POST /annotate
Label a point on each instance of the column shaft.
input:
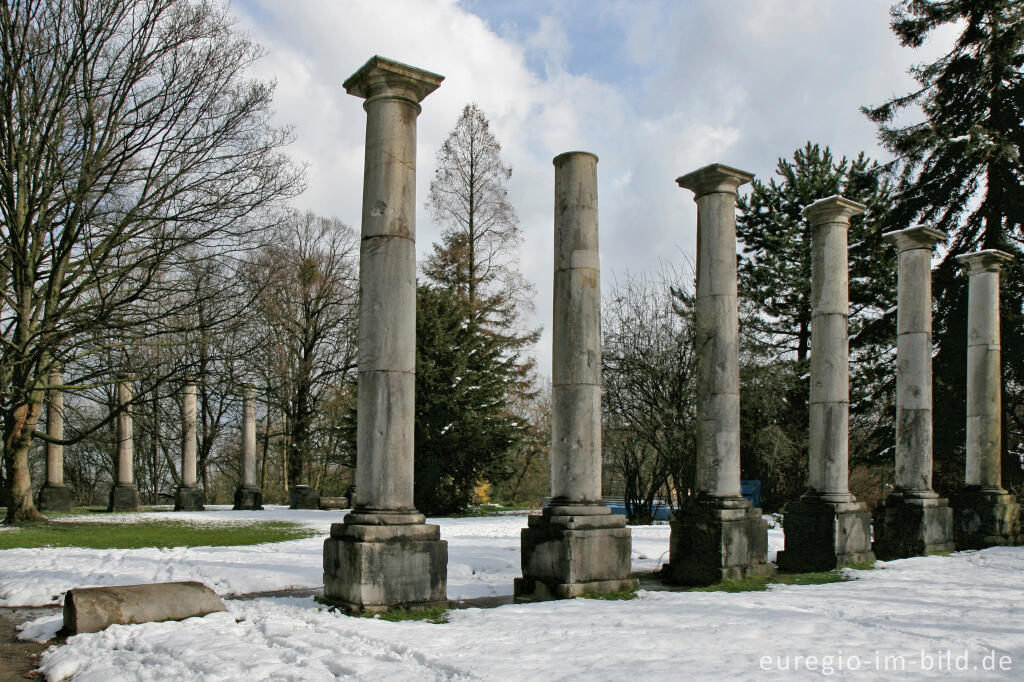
(248, 439)
(55, 430)
(188, 430)
(576, 334)
(125, 445)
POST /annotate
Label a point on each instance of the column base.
(303, 497)
(248, 498)
(907, 526)
(189, 499)
(376, 568)
(986, 517)
(55, 498)
(823, 535)
(123, 497)
(572, 550)
(715, 540)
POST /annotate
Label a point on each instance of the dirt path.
(18, 658)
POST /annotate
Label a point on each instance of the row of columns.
(124, 494)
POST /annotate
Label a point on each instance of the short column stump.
(378, 568)
(821, 536)
(716, 540)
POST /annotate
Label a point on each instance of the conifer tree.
(959, 169)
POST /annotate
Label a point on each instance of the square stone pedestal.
(55, 498)
(715, 540)
(986, 518)
(303, 497)
(821, 536)
(248, 498)
(123, 498)
(189, 499)
(565, 555)
(907, 526)
(377, 568)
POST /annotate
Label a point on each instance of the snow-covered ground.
(937, 617)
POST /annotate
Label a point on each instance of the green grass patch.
(621, 595)
(754, 584)
(149, 534)
(432, 614)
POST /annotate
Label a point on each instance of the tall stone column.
(575, 544)
(189, 496)
(384, 555)
(721, 535)
(828, 528)
(985, 513)
(54, 495)
(248, 495)
(124, 495)
(913, 520)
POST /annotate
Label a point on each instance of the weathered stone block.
(248, 498)
(123, 498)
(333, 502)
(189, 499)
(55, 498)
(377, 568)
(565, 556)
(821, 536)
(714, 541)
(986, 518)
(92, 609)
(910, 526)
(303, 497)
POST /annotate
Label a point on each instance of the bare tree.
(129, 134)
(308, 301)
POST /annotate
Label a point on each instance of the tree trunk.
(18, 427)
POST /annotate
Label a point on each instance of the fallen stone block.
(91, 609)
(333, 502)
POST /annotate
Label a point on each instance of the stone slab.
(123, 497)
(378, 568)
(712, 542)
(189, 499)
(303, 497)
(55, 498)
(566, 556)
(248, 498)
(92, 609)
(986, 518)
(908, 526)
(821, 536)
(327, 502)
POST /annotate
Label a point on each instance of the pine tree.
(959, 169)
(775, 278)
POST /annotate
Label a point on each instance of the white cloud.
(742, 82)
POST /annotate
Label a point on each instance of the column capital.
(989, 260)
(833, 209)
(916, 237)
(715, 177)
(385, 77)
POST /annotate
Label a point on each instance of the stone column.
(720, 536)
(913, 520)
(248, 495)
(54, 495)
(189, 496)
(124, 496)
(985, 513)
(828, 528)
(575, 544)
(384, 555)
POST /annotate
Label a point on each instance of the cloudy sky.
(654, 88)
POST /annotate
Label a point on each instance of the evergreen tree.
(959, 169)
(775, 279)
(464, 431)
